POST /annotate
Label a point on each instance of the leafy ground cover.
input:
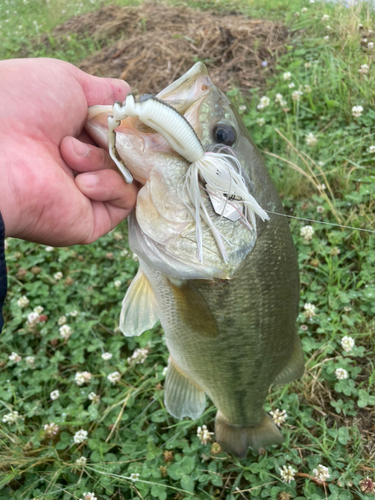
(81, 406)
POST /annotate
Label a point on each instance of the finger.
(108, 186)
(83, 157)
(102, 90)
(106, 218)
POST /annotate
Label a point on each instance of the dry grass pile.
(151, 45)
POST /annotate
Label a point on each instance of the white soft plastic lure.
(220, 171)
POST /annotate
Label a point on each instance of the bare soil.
(151, 45)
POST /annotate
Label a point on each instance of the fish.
(229, 323)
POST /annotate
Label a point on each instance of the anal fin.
(182, 397)
(295, 366)
(236, 439)
(139, 307)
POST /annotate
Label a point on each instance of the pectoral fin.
(182, 397)
(194, 311)
(139, 307)
(295, 366)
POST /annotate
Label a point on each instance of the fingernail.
(80, 148)
(90, 180)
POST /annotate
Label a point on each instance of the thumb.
(102, 90)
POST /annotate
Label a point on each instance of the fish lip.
(199, 69)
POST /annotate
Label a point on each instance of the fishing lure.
(220, 171)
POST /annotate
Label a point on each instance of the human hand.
(56, 187)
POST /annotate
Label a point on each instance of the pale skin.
(56, 187)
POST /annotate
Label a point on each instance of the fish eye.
(223, 133)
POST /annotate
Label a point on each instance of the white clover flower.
(138, 356)
(114, 377)
(357, 111)
(364, 69)
(242, 108)
(65, 331)
(117, 283)
(95, 398)
(51, 429)
(38, 309)
(54, 395)
(326, 37)
(304, 10)
(307, 232)
(320, 209)
(325, 17)
(347, 343)
(341, 374)
(312, 1)
(80, 436)
(82, 378)
(164, 372)
(311, 140)
(49, 249)
(33, 318)
(81, 461)
(278, 97)
(328, 28)
(307, 65)
(73, 313)
(107, 355)
(89, 496)
(117, 236)
(370, 45)
(287, 75)
(61, 320)
(309, 310)
(287, 473)
(134, 476)
(261, 121)
(279, 417)
(23, 301)
(321, 187)
(347, 308)
(30, 360)
(321, 473)
(16, 358)
(371, 149)
(264, 102)
(283, 103)
(292, 85)
(58, 276)
(135, 257)
(307, 88)
(203, 435)
(12, 417)
(296, 95)
(124, 253)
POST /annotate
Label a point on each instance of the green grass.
(330, 421)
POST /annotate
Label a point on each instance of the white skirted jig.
(220, 171)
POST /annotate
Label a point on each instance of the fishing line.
(321, 222)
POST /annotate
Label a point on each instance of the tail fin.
(236, 439)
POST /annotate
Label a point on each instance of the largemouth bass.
(230, 324)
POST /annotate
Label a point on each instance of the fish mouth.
(140, 147)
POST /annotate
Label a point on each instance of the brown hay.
(159, 43)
